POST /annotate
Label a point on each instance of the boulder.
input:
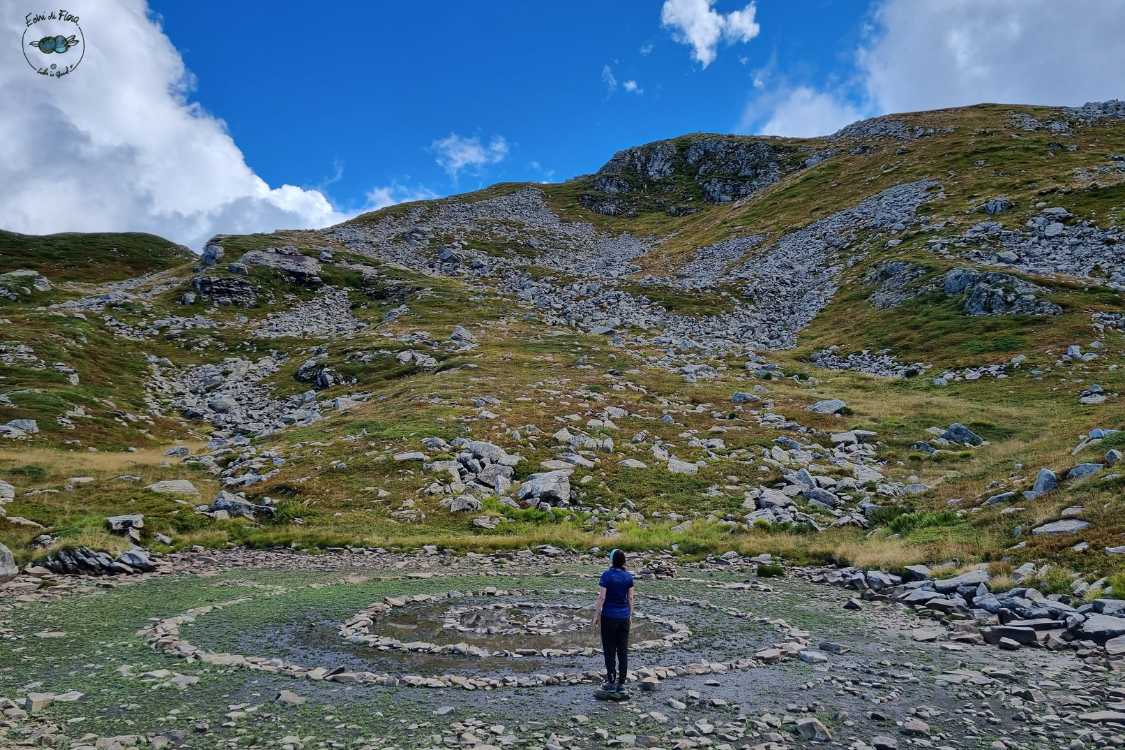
(1065, 526)
(972, 578)
(1084, 470)
(234, 505)
(676, 466)
(463, 504)
(817, 496)
(1101, 628)
(828, 406)
(1045, 481)
(962, 435)
(122, 524)
(8, 569)
(813, 729)
(173, 487)
(552, 487)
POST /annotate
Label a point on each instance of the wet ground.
(883, 683)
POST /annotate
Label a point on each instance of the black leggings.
(615, 647)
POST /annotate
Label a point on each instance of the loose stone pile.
(785, 286)
(1053, 243)
(1012, 619)
(231, 396)
(328, 315)
(881, 363)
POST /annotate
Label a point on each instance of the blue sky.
(188, 119)
(347, 96)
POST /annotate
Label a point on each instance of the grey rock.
(1084, 470)
(122, 524)
(552, 487)
(828, 406)
(173, 487)
(959, 433)
(8, 569)
(972, 578)
(1045, 481)
(995, 206)
(1066, 526)
(1101, 628)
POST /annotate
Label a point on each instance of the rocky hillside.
(897, 345)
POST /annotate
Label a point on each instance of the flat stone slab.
(1100, 717)
(173, 487)
(1069, 526)
(611, 695)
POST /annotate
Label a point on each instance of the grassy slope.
(90, 258)
(1033, 422)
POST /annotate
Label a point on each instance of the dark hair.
(618, 559)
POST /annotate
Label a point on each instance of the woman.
(612, 611)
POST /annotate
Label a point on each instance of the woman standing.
(613, 611)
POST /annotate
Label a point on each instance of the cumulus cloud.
(929, 54)
(632, 87)
(803, 112)
(697, 24)
(942, 53)
(455, 153)
(118, 144)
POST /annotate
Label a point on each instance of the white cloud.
(646, 49)
(389, 195)
(609, 79)
(929, 54)
(803, 112)
(118, 145)
(456, 152)
(632, 87)
(544, 173)
(942, 53)
(697, 24)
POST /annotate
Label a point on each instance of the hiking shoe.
(608, 686)
(618, 687)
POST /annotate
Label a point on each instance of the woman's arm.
(599, 604)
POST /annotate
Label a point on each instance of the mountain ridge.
(680, 309)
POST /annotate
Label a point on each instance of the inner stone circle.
(516, 620)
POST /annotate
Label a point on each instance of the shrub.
(887, 514)
(1117, 585)
(908, 522)
(1054, 580)
(770, 570)
(31, 471)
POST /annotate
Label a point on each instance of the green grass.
(542, 378)
(91, 257)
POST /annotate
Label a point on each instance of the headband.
(612, 552)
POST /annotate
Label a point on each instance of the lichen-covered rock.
(893, 280)
(990, 293)
(226, 290)
(288, 260)
(8, 569)
(717, 168)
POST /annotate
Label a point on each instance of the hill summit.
(897, 344)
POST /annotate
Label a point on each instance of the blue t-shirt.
(617, 582)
